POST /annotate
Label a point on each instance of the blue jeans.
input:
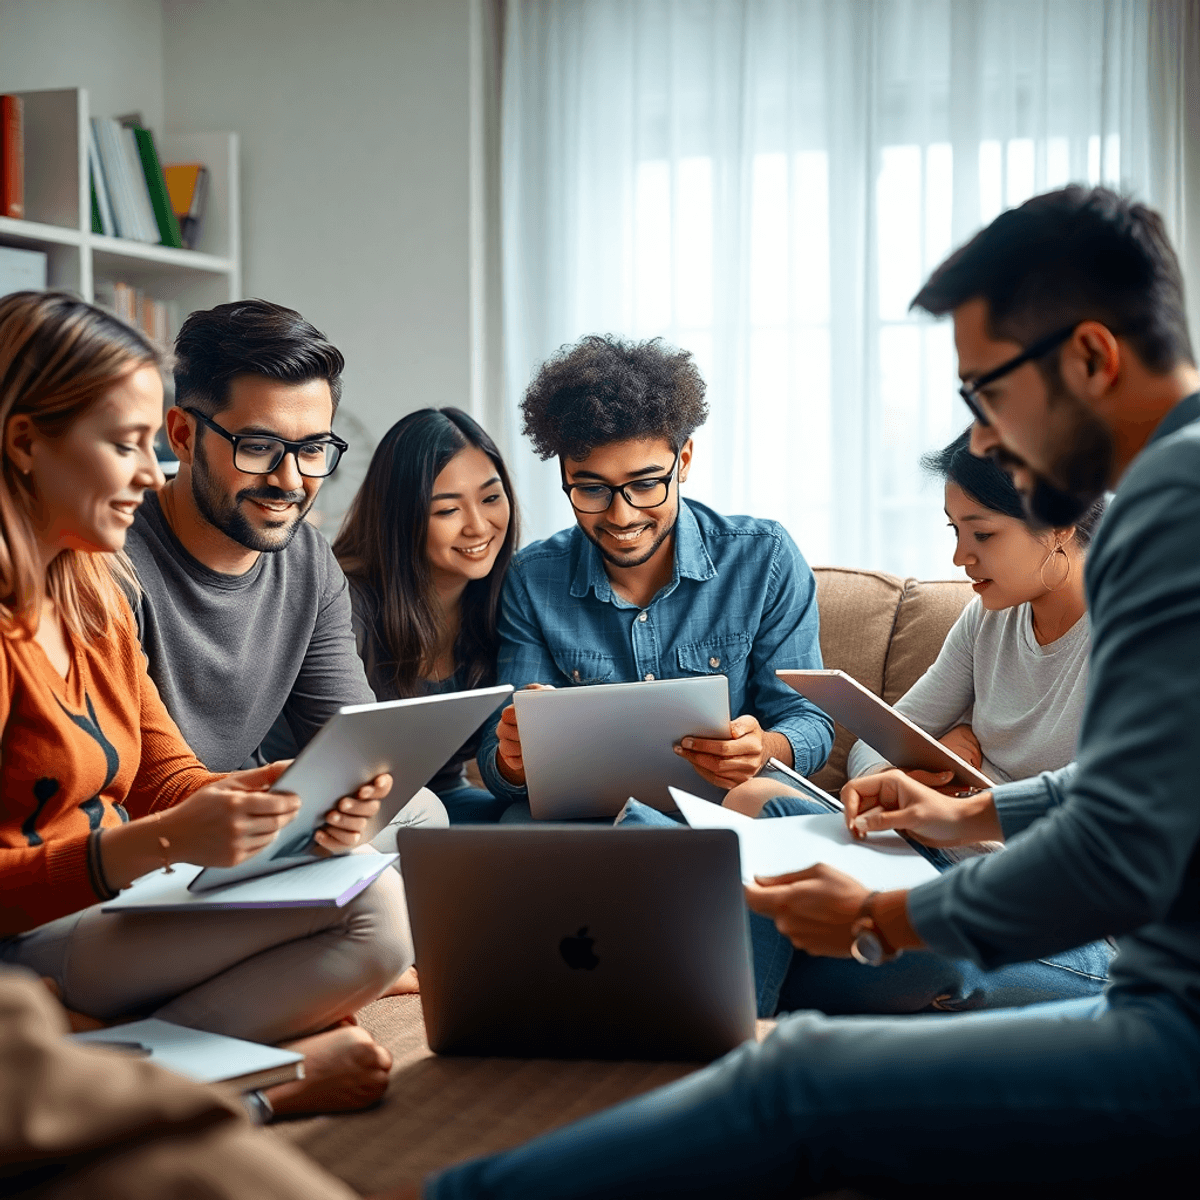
(467, 805)
(1103, 1089)
(788, 980)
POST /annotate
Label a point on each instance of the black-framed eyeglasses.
(970, 390)
(260, 454)
(638, 493)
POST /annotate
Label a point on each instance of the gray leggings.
(267, 975)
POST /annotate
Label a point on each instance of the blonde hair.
(58, 356)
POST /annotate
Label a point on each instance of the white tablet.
(588, 749)
(409, 739)
(877, 723)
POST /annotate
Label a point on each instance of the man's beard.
(1080, 469)
(219, 510)
(640, 561)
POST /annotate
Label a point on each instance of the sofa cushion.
(858, 611)
(926, 612)
(884, 631)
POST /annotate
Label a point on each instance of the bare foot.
(344, 1069)
(406, 984)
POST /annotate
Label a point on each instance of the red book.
(12, 156)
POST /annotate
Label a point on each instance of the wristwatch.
(258, 1107)
(868, 945)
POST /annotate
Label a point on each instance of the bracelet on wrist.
(95, 865)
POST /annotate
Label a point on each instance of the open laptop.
(580, 941)
(586, 750)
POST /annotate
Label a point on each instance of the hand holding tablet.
(877, 723)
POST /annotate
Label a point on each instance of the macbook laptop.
(580, 941)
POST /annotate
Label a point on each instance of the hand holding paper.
(790, 869)
(814, 908)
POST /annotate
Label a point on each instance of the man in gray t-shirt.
(245, 613)
(230, 653)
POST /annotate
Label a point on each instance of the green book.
(97, 227)
(168, 225)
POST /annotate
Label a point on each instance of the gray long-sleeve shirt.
(229, 653)
(1109, 845)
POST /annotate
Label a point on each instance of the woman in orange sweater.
(97, 786)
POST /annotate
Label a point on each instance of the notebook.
(318, 884)
(234, 1064)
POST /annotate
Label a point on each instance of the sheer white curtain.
(766, 184)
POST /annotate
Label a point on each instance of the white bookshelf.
(59, 213)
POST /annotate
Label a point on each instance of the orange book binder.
(12, 156)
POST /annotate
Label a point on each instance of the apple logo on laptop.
(577, 951)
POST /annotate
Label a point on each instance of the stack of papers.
(777, 845)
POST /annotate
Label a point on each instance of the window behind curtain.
(767, 185)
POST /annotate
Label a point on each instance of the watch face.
(867, 949)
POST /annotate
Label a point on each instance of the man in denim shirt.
(647, 585)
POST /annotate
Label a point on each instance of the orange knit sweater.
(76, 755)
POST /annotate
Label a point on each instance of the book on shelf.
(132, 304)
(21, 270)
(187, 186)
(233, 1064)
(121, 174)
(12, 156)
(164, 215)
(102, 213)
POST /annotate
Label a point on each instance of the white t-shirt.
(1024, 701)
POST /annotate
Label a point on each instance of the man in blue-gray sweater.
(1073, 348)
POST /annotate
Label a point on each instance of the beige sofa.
(882, 630)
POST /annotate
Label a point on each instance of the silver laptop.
(586, 750)
(580, 941)
(411, 739)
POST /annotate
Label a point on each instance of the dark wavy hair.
(606, 390)
(1067, 256)
(250, 337)
(989, 485)
(382, 548)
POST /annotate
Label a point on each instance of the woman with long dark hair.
(426, 545)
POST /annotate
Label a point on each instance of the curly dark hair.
(606, 390)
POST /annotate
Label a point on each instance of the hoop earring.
(1062, 583)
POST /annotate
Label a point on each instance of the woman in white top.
(1007, 690)
(1006, 693)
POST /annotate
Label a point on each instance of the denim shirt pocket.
(583, 666)
(716, 655)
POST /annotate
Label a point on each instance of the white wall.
(113, 48)
(355, 126)
(356, 153)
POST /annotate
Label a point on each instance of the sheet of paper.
(208, 1057)
(329, 881)
(780, 844)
